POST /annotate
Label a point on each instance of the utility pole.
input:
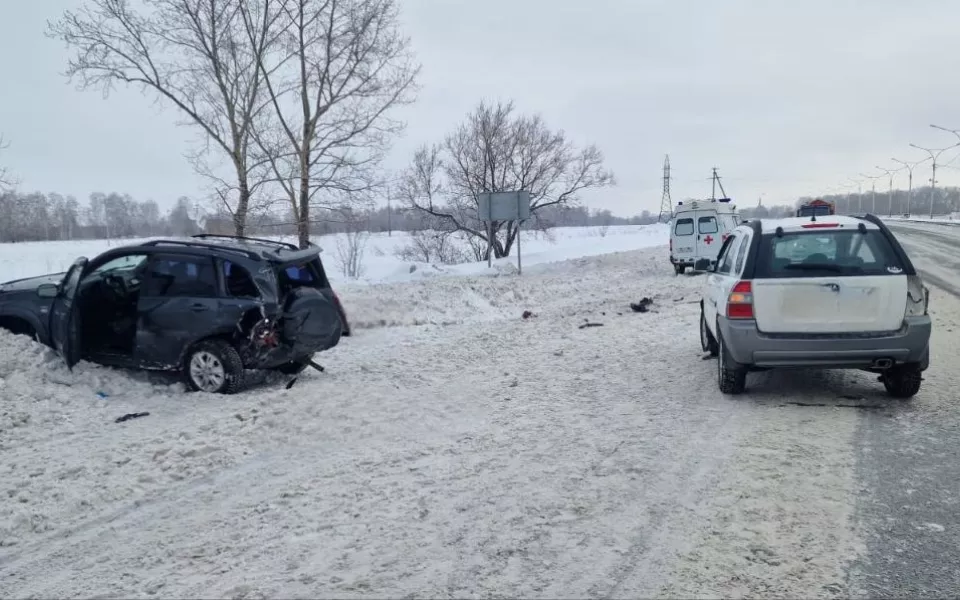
(873, 190)
(717, 182)
(666, 204)
(859, 183)
(934, 154)
(890, 191)
(909, 167)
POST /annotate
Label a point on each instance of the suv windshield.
(826, 253)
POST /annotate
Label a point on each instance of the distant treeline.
(35, 216)
(39, 217)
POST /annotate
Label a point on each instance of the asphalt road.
(908, 465)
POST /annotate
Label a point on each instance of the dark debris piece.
(585, 325)
(642, 306)
(129, 416)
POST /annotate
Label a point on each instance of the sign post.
(493, 207)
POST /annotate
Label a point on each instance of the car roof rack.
(244, 238)
(220, 247)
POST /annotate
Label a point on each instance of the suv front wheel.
(213, 366)
(707, 341)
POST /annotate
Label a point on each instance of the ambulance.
(698, 229)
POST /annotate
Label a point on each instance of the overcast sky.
(786, 98)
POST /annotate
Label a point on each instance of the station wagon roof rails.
(188, 244)
(244, 238)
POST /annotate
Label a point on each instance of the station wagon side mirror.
(703, 264)
(48, 290)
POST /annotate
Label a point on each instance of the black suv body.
(208, 306)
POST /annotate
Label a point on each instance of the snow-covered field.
(380, 262)
(452, 449)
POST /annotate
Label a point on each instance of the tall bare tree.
(198, 55)
(333, 71)
(496, 150)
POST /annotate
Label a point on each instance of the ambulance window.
(683, 227)
(707, 224)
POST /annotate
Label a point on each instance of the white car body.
(831, 292)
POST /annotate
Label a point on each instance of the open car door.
(64, 317)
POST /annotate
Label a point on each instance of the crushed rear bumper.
(750, 346)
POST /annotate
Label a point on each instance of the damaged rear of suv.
(208, 306)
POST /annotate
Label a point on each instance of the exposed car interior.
(107, 301)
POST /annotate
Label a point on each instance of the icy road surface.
(454, 449)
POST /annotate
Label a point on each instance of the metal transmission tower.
(666, 204)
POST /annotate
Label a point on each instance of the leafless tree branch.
(335, 71)
(495, 150)
(198, 55)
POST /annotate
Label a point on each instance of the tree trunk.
(303, 218)
(243, 206)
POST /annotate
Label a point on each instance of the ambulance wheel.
(679, 269)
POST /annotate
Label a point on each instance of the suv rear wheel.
(903, 381)
(213, 366)
(731, 375)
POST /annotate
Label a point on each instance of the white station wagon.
(836, 292)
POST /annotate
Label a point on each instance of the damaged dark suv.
(207, 306)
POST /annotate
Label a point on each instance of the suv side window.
(238, 281)
(127, 261)
(725, 266)
(742, 254)
(181, 276)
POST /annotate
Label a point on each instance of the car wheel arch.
(190, 346)
(18, 324)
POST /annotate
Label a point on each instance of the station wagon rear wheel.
(903, 381)
(213, 366)
(731, 375)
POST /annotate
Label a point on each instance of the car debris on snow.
(642, 306)
(129, 416)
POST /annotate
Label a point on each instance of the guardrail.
(935, 221)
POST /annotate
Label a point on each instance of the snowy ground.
(453, 449)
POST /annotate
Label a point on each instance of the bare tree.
(195, 54)
(496, 151)
(334, 73)
(352, 243)
(6, 181)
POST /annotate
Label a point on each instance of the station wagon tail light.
(819, 225)
(740, 301)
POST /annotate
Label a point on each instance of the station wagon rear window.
(826, 254)
(683, 227)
